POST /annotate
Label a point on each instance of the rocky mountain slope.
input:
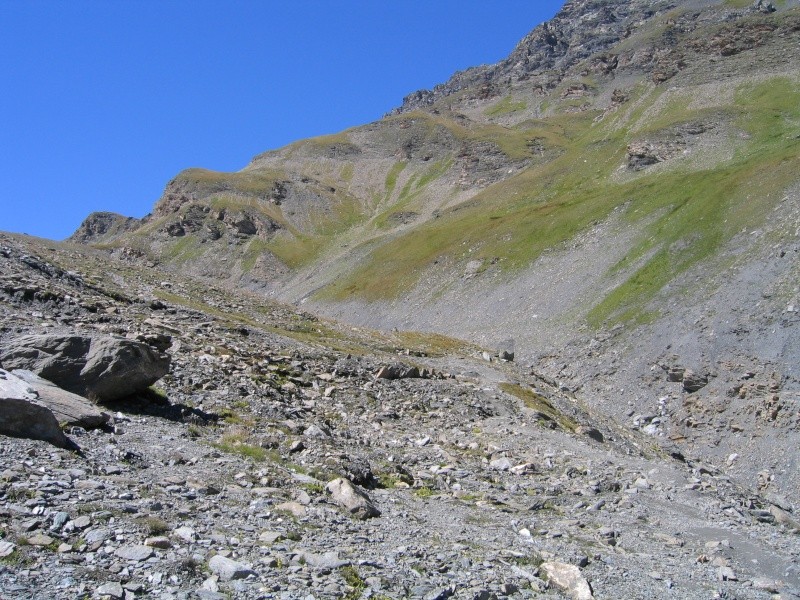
(285, 456)
(619, 196)
(616, 205)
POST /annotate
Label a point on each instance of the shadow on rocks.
(154, 404)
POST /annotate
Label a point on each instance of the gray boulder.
(23, 416)
(397, 371)
(102, 368)
(227, 569)
(352, 498)
(68, 408)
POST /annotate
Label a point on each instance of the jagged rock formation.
(100, 227)
(582, 29)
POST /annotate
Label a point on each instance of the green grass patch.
(354, 581)
(206, 182)
(424, 492)
(256, 453)
(504, 107)
(392, 175)
(346, 174)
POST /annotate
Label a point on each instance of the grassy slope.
(697, 210)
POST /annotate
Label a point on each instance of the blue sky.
(103, 102)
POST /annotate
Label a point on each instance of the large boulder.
(99, 368)
(69, 409)
(397, 371)
(23, 416)
(352, 498)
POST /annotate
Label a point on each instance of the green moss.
(504, 107)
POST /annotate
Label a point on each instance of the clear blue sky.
(103, 102)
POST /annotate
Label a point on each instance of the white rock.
(568, 579)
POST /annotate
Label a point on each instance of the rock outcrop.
(101, 368)
(22, 415)
(68, 408)
(102, 227)
(352, 498)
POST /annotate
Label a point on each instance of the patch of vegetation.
(346, 174)
(540, 404)
(424, 492)
(353, 579)
(390, 480)
(237, 443)
(504, 107)
(158, 392)
(255, 181)
(692, 211)
(534, 559)
(184, 249)
(16, 559)
(392, 175)
(317, 489)
(154, 525)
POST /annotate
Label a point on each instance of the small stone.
(270, 537)
(326, 560)
(81, 522)
(158, 542)
(351, 497)
(134, 553)
(6, 548)
(112, 589)
(96, 536)
(767, 585)
(293, 508)
(64, 548)
(59, 520)
(523, 469)
(40, 539)
(187, 534)
(500, 464)
(726, 574)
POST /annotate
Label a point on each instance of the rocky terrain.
(284, 456)
(607, 223)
